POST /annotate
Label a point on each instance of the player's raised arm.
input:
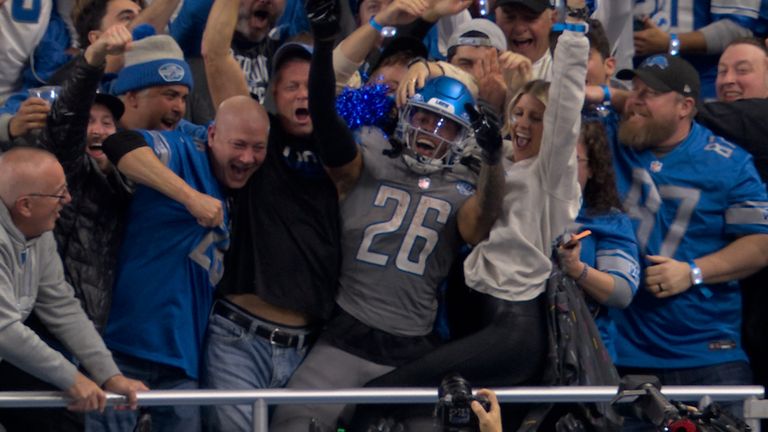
(335, 144)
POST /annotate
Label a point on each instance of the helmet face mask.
(434, 125)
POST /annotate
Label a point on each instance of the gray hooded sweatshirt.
(31, 277)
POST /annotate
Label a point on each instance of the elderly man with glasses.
(33, 190)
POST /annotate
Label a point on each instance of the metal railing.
(755, 407)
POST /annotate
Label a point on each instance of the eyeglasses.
(61, 197)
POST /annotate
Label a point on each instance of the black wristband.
(578, 13)
(121, 143)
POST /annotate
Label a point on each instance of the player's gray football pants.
(326, 367)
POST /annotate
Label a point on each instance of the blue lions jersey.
(689, 203)
(168, 264)
(611, 249)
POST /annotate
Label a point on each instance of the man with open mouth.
(282, 265)
(526, 24)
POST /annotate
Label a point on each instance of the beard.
(644, 135)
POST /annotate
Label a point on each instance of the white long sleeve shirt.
(542, 194)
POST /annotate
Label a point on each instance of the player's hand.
(127, 387)
(650, 40)
(85, 395)
(667, 277)
(324, 16)
(32, 114)
(485, 123)
(489, 421)
(208, 210)
(401, 12)
(414, 79)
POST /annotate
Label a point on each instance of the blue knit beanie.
(152, 60)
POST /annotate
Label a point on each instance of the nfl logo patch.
(465, 188)
(424, 183)
(656, 166)
(171, 72)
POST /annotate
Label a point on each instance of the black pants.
(34, 419)
(509, 350)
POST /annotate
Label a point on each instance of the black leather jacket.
(90, 229)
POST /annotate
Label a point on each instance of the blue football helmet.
(434, 125)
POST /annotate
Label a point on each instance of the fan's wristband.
(580, 28)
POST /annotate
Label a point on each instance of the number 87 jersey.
(695, 199)
(689, 203)
(399, 238)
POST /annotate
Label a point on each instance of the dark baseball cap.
(666, 73)
(290, 51)
(113, 104)
(537, 6)
(401, 44)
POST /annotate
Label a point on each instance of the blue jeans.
(237, 359)
(732, 373)
(182, 418)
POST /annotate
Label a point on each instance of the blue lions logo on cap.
(171, 72)
(659, 61)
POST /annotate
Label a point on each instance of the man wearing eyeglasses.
(33, 191)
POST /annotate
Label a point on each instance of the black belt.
(275, 335)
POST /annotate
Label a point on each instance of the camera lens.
(456, 386)
(453, 409)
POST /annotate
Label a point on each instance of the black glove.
(324, 16)
(485, 123)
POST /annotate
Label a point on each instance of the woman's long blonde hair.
(536, 88)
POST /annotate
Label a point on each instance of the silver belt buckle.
(272, 336)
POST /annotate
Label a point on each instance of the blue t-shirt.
(168, 265)
(612, 249)
(691, 202)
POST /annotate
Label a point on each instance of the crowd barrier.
(755, 406)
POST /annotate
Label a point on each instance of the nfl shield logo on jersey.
(424, 183)
(465, 188)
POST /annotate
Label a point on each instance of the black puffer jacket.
(90, 229)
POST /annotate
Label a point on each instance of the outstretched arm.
(741, 258)
(333, 140)
(225, 78)
(562, 117)
(352, 51)
(129, 152)
(710, 39)
(67, 123)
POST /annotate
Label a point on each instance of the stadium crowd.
(248, 194)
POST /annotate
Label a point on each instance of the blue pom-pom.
(366, 106)
(143, 30)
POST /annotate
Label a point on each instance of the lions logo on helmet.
(434, 125)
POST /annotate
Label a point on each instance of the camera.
(647, 403)
(453, 412)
